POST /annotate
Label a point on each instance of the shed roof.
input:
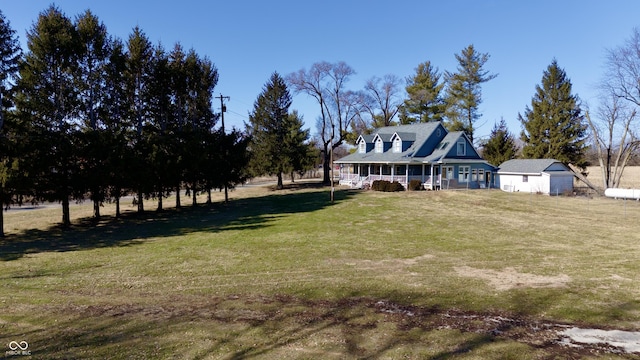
(527, 166)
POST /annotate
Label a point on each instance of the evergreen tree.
(137, 78)
(179, 95)
(464, 95)
(114, 117)
(48, 107)
(500, 146)
(268, 129)
(9, 58)
(296, 143)
(554, 125)
(90, 81)
(201, 79)
(161, 126)
(227, 163)
(424, 102)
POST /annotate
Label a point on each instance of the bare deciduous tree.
(325, 82)
(614, 130)
(614, 138)
(381, 99)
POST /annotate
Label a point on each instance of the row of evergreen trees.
(85, 114)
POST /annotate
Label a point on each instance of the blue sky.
(249, 40)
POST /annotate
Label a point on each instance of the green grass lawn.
(289, 275)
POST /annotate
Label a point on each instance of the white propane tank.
(618, 193)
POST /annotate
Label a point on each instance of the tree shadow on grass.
(134, 228)
(260, 327)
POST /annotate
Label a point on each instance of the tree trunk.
(160, 201)
(140, 202)
(2, 222)
(66, 217)
(279, 186)
(178, 196)
(1, 214)
(96, 209)
(117, 207)
(208, 196)
(326, 168)
(194, 201)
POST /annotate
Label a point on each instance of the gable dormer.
(400, 142)
(381, 143)
(364, 143)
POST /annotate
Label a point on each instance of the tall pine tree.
(500, 146)
(137, 83)
(9, 58)
(269, 129)
(48, 107)
(90, 81)
(424, 102)
(554, 126)
(464, 94)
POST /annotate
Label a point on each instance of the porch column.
(393, 170)
(423, 173)
(406, 174)
(432, 179)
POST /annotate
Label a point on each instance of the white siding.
(515, 183)
(547, 183)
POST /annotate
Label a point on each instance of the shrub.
(378, 185)
(386, 186)
(415, 185)
(395, 186)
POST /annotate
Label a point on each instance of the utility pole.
(223, 109)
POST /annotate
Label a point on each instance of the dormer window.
(362, 147)
(397, 145)
(462, 148)
(379, 145)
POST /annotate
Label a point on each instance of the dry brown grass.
(286, 274)
(630, 178)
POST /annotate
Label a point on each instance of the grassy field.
(288, 275)
(630, 178)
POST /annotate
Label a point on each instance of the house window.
(379, 145)
(525, 178)
(474, 175)
(447, 172)
(362, 147)
(397, 145)
(481, 175)
(463, 173)
(462, 148)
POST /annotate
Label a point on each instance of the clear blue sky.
(249, 40)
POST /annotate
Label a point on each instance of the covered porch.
(363, 175)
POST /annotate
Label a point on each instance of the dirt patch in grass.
(509, 278)
(295, 323)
